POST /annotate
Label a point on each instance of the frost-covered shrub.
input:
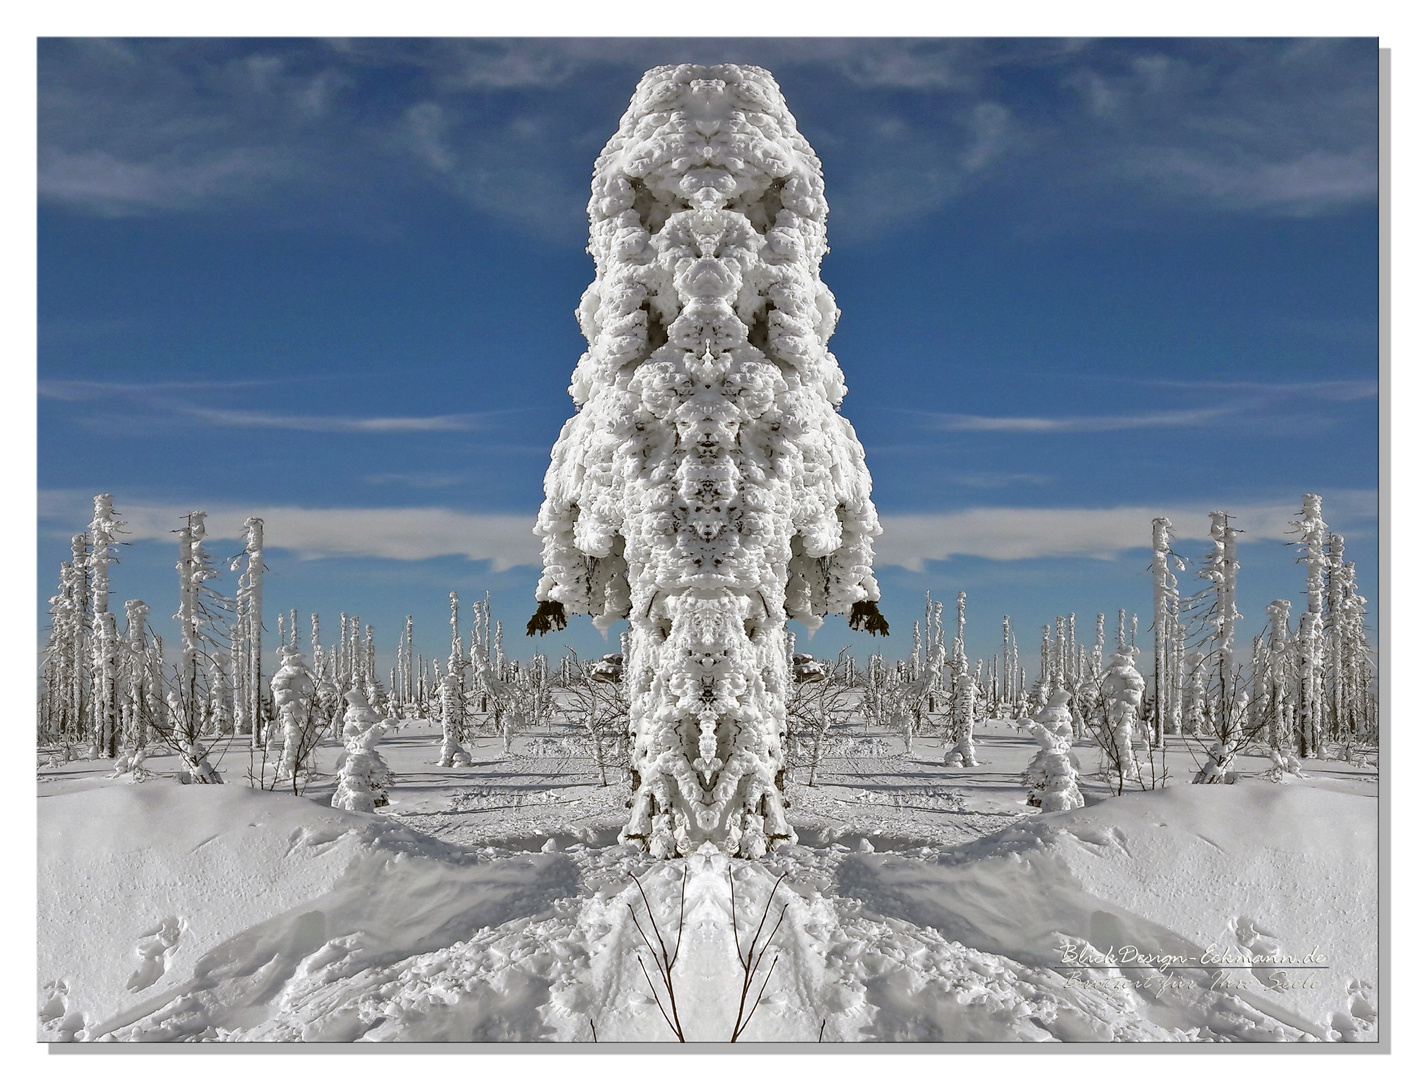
(130, 766)
(450, 700)
(293, 689)
(364, 778)
(962, 717)
(1051, 777)
(707, 488)
(1122, 688)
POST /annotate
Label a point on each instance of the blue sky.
(1081, 283)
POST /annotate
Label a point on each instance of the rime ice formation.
(707, 488)
(293, 690)
(364, 778)
(1052, 778)
(1122, 690)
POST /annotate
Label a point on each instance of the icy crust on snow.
(707, 488)
(1253, 873)
(178, 913)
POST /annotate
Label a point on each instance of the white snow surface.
(923, 904)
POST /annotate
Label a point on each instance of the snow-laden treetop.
(710, 138)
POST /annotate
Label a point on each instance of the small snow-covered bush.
(1051, 776)
(1122, 688)
(293, 689)
(364, 778)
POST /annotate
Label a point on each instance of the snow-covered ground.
(924, 902)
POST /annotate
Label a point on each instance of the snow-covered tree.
(707, 488)
(364, 778)
(1194, 703)
(963, 698)
(1051, 776)
(1274, 677)
(247, 685)
(1312, 534)
(963, 704)
(452, 708)
(107, 708)
(67, 654)
(220, 699)
(1165, 591)
(292, 688)
(1347, 654)
(198, 620)
(1122, 689)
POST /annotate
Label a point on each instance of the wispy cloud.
(909, 540)
(375, 425)
(1011, 533)
(162, 397)
(91, 390)
(103, 183)
(904, 125)
(401, 533)
(425, 481)
(1332, 390)
(1077, 424)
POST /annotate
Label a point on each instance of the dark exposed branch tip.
(550, 615)
(865, 615)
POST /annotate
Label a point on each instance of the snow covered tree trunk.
(186, 707)
(250, 595)
(1165, 592)
(187, 626)
(1273, 676)
(1312, 532)
(83, 628)
(1009, 696)
(962, 714)
(1044, 667)
(68, 654)
(105, 695)
(136, 670)
(707, 489)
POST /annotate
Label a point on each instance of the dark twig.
(752, 962)
(662, 961)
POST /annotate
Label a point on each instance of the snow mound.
(216, 911)
(1183, 905)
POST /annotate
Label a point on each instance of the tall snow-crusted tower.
(707, 488)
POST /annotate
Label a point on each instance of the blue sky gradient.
(1081, 282)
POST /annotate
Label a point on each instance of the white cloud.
(89, 390)
(156, 396)
(909, 540)
(402, 533)
(369, 424)
(1010, 533)
(1330, 390)
(1048, 424)
(1271, 126)
(1307, 184)
(107, 184)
